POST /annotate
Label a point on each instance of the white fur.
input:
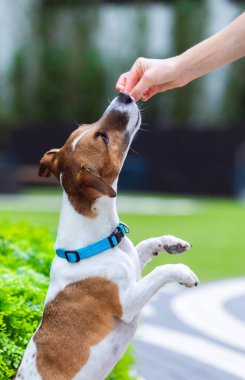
(28, 369)
(148, 247)
(121, 264)
(107, 353)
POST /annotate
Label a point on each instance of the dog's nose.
(124, 98)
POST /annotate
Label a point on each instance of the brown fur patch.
(102, 160)
(79, 317)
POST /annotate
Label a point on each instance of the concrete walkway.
(194, 334)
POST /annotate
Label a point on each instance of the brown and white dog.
(92, 306)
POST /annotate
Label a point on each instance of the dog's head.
(91, 159)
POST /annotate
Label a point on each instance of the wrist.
(182, 72)
(199, 60)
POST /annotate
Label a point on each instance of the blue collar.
(111, 241)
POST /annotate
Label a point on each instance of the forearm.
(138, 294)
(222, 48)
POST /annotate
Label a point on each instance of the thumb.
(141, 87)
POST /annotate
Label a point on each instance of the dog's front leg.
(149, 248)
(138, 294)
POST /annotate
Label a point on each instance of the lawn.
(215, 230)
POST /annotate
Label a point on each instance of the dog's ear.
(94, 187)
(49, 163)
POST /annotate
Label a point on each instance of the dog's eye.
(104, 137)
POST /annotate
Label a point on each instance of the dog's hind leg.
(149, 248)
(138, 294)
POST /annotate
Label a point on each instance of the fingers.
(142, 91)
(127, 81)
(142, 81)
(156, 89)
(134, 75)
(121, 82)
(141, 87)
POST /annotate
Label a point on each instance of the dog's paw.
(186, 277)
(174, 245)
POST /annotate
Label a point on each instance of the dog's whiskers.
(77, 124)
(134, 151)
(142, 110)
(145, 130)
(141, 105)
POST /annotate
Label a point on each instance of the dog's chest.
(120, 265)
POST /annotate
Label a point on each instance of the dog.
(96, 291)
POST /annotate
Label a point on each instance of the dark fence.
(184, 162)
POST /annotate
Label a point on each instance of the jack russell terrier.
(96, 291)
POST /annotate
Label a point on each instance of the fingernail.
(133, 98)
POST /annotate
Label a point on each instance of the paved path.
(194, 334)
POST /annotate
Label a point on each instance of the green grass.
(37, 219)
(216, 232)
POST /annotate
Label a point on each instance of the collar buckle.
(68, 256)
(116, 237)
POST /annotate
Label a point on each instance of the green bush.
(25, 257)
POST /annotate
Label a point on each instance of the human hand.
(150, 76)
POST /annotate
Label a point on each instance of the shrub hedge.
(25, 256)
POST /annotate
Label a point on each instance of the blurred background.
(59, 64)
(185, 174)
